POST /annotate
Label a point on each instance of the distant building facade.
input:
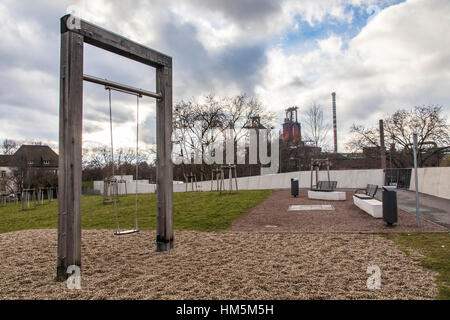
(30, 166)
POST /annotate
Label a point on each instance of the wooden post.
(215, 173)
(69, 174)
(230, 173)
(328, 170)
(382, 151)
(317, 173)
(164, 172)
(416, 179)
(222, 181)
(235, 178)
(71, 116)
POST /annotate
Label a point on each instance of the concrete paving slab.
(310, 207)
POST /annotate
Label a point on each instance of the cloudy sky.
(377, 55)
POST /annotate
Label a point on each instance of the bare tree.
(96, 157)
(198, 125)
(316, 130)
(363, 137)
(241, 110)
(9, 182)
(427, 121)
(9, 146)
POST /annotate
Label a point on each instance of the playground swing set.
(113, 183)
(191, 178)
(28, 199)
(231, 171)
(327, 185)
(74, 33)
(45, 195)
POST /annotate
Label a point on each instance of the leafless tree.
(194, 123)
(96, 157)
(316, 129)
(427, 121)
(363, 137)
(9, 146)
(239, 112)
(197, 125)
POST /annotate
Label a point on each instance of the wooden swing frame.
(73, 37)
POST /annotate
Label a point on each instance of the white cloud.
(223, 23)
(331, 46)
(400, 59)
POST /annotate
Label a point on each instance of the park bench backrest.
(333, 185)
(371, 190)
(326, 185)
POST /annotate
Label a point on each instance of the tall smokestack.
(382, 147)
(333, 96)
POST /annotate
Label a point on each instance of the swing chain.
(113, 180)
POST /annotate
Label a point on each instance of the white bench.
(373, 207)
(326, 195)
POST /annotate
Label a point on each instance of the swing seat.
(113, 180)
(119, 233)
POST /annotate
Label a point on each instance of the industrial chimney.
(333, 96)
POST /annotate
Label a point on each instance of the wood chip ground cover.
(210, 265)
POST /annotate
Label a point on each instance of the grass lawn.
(435, 247)
(201, 211)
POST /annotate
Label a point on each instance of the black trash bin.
(390, 205)
(294, 187)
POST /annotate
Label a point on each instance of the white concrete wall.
(98, 186)
(346, 179)
(126, 178)
(433, 181)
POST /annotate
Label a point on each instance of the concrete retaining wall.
(433, 181)
(346, 179)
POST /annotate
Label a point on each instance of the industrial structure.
(291, 127)
(295, 153)
(333, 101)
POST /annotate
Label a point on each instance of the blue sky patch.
(305, 37)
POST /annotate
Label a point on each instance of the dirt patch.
(213, 266)
(272, 215)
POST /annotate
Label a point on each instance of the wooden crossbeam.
(112, 42)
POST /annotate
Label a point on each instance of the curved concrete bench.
(326, 195)
(373, 207)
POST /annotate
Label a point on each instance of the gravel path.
(272, 215)
(213, 266)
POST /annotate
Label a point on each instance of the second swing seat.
(119, 233)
